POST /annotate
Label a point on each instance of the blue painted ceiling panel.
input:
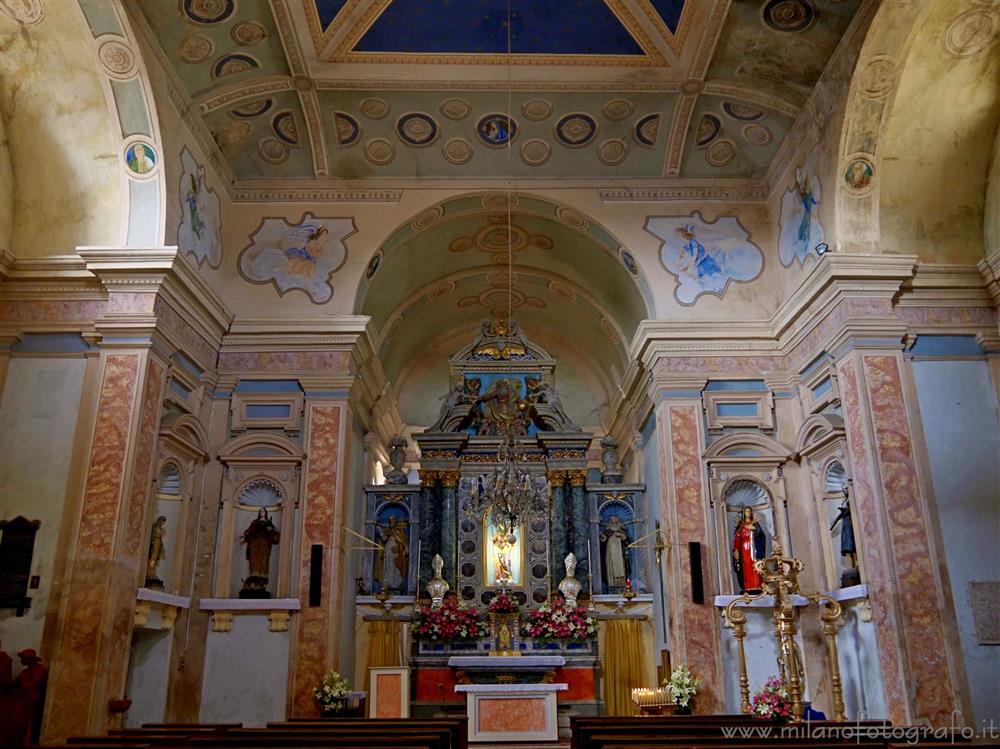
(328, 10)
(554, 27)
(670, 12)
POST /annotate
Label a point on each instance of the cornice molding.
(245, 194)
(989, 269)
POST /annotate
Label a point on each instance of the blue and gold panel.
(347, 128)
(208, 11)
(579, 27)
(669, 11)
(233, 64)
(285, 128)
(496, 129)
(417, 129)
(252, 109)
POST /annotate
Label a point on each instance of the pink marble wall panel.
(814, 341)
(512, 715)
(985, 316)
(755, 365)
(133, 302)
(131, 564)
(923, 627)
(701, 631)
(204, 351)
(24, 310)
(310, 652)
(79, 648)
(107, 455)
(877, 562)
(302, 361)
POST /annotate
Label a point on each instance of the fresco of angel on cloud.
(705, 256)
(300, 256)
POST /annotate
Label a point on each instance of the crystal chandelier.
(510, 492)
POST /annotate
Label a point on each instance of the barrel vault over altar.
(347, 343)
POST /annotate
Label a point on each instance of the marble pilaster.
(449, 525)
(557, 480)
(580, 527)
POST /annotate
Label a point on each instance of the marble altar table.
(512, 712)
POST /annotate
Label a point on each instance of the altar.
(512, 712)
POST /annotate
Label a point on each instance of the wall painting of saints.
(705, 256)
(200, 230)
(300, 256)
(800, 230)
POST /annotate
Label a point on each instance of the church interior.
(438, 373)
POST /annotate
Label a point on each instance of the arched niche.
(746, 469)
(262, 472)
(821, 446)
(180, 460)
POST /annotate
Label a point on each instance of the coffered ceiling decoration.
(302, 92)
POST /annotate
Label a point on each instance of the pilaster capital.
(427, 478)
(449, 479)
(557, 477)
(577, 477)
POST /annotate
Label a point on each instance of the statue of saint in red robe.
(748, 546)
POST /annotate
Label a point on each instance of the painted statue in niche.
(705, 256)
(614, 553)
(503, 554)
(157, 552)
(200, 230)
(259, 537)
(749, 544)
(297, 256)
(393, 560)
(503, 409)
(800, 229)
(848, 546)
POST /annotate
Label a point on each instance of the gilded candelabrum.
(780, 580)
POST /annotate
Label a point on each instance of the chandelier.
(510, 492)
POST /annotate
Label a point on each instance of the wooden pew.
(458, 727)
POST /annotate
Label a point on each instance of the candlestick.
(590, 573)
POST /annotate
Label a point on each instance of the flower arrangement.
(504, 604)
(556, 621)
(331, 694)
(449, 622)
(771, 701)
(682, 685)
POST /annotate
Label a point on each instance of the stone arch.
(923, 100)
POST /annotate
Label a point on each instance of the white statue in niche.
(570, 587)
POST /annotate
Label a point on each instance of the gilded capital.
(556, 477)
(577, 477)
(449, 478)
(428, 478)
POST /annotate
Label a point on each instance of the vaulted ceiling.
(310, 90)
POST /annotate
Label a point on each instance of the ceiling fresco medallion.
(428, 218)
(790, 16)
(758, 134)
(708, 127)
(302, 256)
(496, 130)
(705, 256)
(558, 287)
(721, 152)
(741, 111)
(195, 48)
(576, 130)
(499, 201)
(232, 64)
(440, 290)
(799, 228)
(233, 138)
(25, 12)
(455, 109)
(646, 130)
(612, 152)
(375, 109)
(248, 33)
(283, 124)
(617, 109)
(535, 152)
(609, 329)
(208, 11)
(859, 175)
(117, 58)
(629, 262)
(497, 300)
(379, 151)
(495, 239)
(140, 158)
(877, 77)
(457, 150)
(347, 129)
(971, 32)
(254, 108)
(571, 218)
(417, 129)
(536, 109)
(273, 151)
(373, 265)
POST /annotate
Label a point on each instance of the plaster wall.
(60, 133)
(148, 671)
(6, 191)
(991, 215)
(959, 411)
(246, 673)
(38, 414)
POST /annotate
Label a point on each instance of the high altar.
(502, 384)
